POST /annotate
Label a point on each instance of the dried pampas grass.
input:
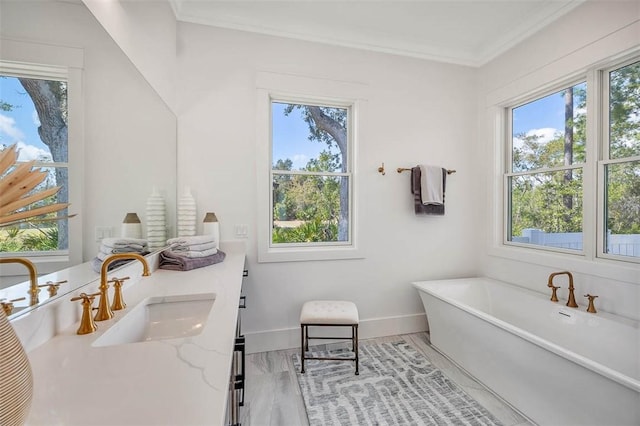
(15, 188)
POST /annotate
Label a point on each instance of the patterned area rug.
(397, 385)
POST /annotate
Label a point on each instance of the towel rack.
(404, 169)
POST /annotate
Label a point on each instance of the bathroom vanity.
(180, 376)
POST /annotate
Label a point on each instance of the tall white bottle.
(186, 214)
(156, 220)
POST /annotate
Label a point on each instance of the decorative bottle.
(156, 221)
(210, 226)
(186, 214)
(131, 226)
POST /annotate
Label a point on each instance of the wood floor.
(273, 397)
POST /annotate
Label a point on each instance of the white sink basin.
(159, 318)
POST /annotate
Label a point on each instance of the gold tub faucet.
(33, 276)
(104, 309)
(572, 298)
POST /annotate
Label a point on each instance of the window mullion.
(591, 215)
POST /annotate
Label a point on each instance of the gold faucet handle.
(52, 286)
(87, 324)
(85, 297)
(118, 280)
(7, 306)
(592, 306)
(554, 292)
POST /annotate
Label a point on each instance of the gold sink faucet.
(104, 310)
(33, 276)
(572, 298)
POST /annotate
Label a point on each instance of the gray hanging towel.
(420, 208)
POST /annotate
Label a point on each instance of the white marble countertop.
(178, 381)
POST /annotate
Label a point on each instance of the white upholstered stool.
(329, 313)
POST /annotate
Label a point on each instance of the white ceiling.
(467, 32)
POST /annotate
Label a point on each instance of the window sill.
(575, 262)
(305, 254)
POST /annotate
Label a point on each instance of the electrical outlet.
(242, 231)
(103, 232)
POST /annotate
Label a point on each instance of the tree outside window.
(545, 180)
(33, 115)
(622, 163)
(310, 174)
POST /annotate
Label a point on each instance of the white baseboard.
(287, 338)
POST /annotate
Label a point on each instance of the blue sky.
(542, 115)
(290, 138)
(20, 125)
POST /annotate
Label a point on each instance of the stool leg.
(306, 338)
(355, 332)
(302, 348)
(353, 339)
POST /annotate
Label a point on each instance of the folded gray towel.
(420, 208)
(176, 262)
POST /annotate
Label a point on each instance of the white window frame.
(593, 258)
(509, 173)
(56, 63)
(306, 91)
(605, 160)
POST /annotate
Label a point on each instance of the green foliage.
(624, 94)
(540, 201)
(623, 198)
(21, 240)
(13, 232)
(308, 232)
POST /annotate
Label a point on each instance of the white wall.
(416, 112)
(129, 133)
(146, 32)
(593, 32)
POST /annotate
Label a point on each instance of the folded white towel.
(122, 242)
(195, 239)
(431, 185)
(193, 247)
(102, 255)
(195, 254)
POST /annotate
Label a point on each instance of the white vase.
(131, 226)
(16, 380)
(156, 221)
(187, 214)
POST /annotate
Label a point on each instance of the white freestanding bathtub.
(557, 365)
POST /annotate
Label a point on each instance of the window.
(621, 162)
(311, 174)
(545, 176)
(33, 113)
(307, 182)
(563, 175)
